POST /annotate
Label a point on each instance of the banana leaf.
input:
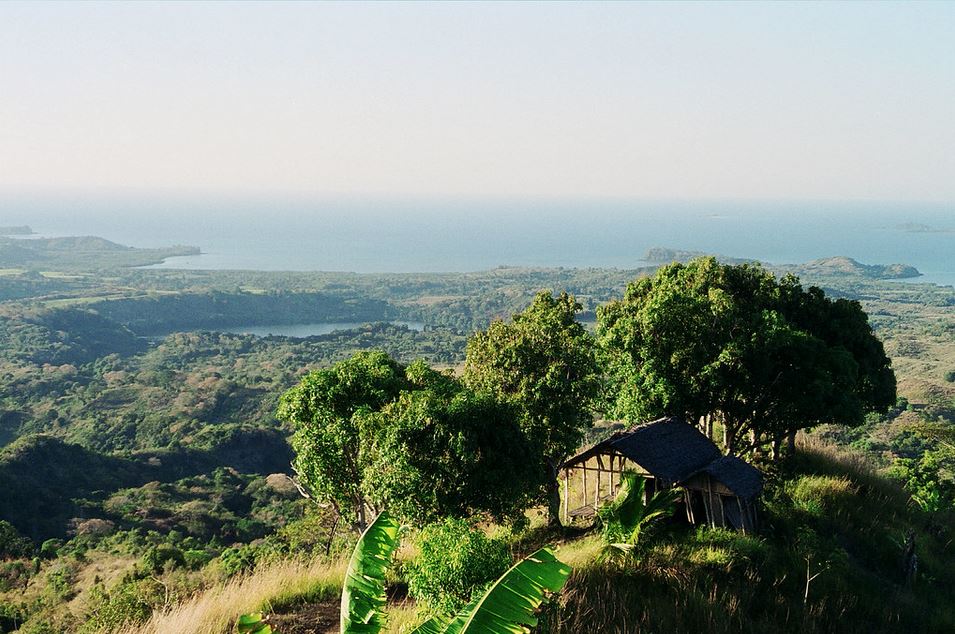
(509, 605)
(253, 624)
(363, 593)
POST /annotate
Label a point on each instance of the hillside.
(142, 470)
(829, 501)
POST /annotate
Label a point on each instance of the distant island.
(917, 227)
(843, 266)
(835, 266)
(17, 230)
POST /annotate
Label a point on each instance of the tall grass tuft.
(271, 587)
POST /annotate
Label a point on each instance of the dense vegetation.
(135, 470)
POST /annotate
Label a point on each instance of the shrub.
(12, 544)
(950, 376)
(235, 560)
(158, 557)
(454, 561)
(815, 494)
(126, 604)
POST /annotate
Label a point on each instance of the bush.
(815, 494)
(128, 603)
(12, 543)
(950, 376)
(454, 561)
(235, 560)
(159, 557)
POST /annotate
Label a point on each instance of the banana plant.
(363, 593)
(625, 518)
(510, 604)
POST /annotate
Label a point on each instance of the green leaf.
(434, 625)
(253, 624)
(363, 593)
(509, 605)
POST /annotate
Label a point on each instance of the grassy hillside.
(828, 510)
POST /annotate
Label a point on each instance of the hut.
(718, 490)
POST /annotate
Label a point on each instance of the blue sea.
(469, 235)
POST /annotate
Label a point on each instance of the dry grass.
(277, 585)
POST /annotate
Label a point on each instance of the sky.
(834, 101)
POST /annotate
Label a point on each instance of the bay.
(401, 235)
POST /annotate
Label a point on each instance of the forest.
(151, 465)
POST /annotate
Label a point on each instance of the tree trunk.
(709, 426)
(777, 446)
(553, 495)
(729, 437)
(791, 442)
(362, 520)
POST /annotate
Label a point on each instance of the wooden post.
(566, 496)
(600, 466)
(584, 479)
(743, 520)
(597, 491)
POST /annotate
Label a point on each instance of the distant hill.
(80, 253)
(663, 255)
(17, 230)
(840, 266)
(844, 266)
(45, 482)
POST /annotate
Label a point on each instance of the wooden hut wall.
(598, 478)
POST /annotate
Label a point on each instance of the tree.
(543, 362)
(371, 433)
(325, 408)
(443, 450)
(764, 356)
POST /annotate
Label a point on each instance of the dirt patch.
(315, 618)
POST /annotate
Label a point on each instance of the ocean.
(470, 235)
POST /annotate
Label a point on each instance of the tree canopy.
(325, 409)
(761, 354)
(371, 432)
(543, 362)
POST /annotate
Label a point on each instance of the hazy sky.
(746, 100)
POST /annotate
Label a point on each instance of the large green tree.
(445, 451)
(325, 409)
(371, 433)
(543, 362)
(762, 355)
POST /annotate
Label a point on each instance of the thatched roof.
(738, 476)
(672, 450)
(669, 448)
